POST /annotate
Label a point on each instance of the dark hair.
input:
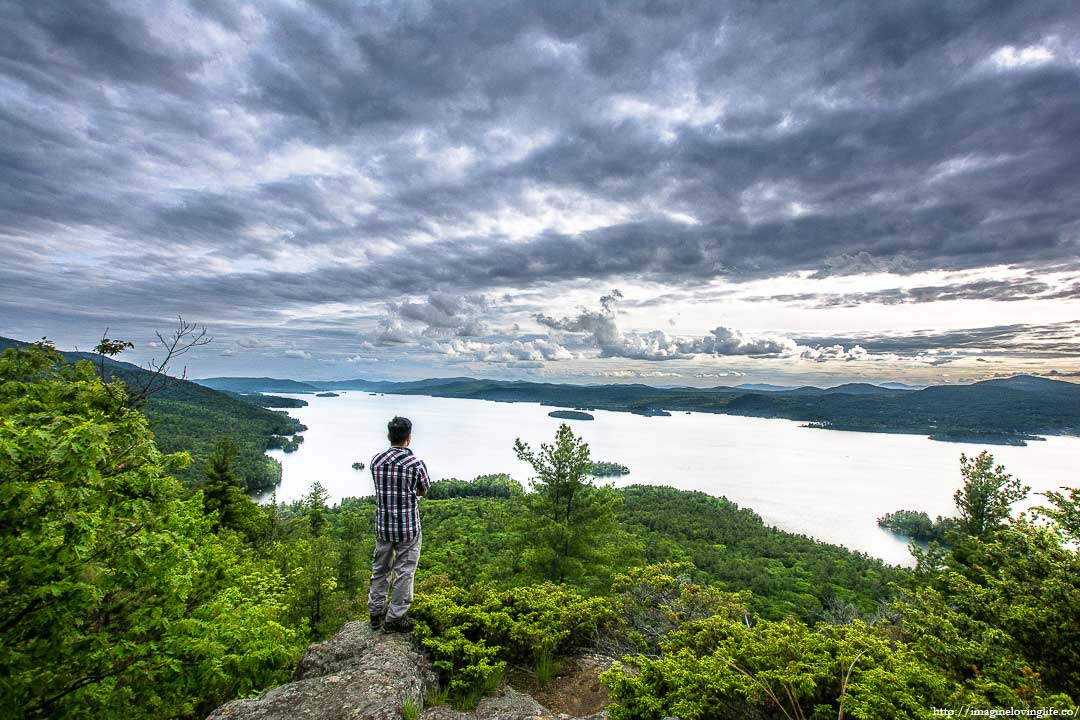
(399, 429)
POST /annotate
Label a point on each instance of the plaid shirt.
(398, 474)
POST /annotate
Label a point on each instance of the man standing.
(400, 478)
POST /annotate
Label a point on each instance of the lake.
(830, 485)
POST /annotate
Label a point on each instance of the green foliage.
(658, 599)
(1000, 615)
(223, 497)
(993, 622)
(986, 496)
(472, 633)
(124, 594)
(410, 710)
(193, 419)
(187, 417)
(499, 485)
(268, 401)
(1064, 511)
(707, 657)
(917, 525)
(567, 515)
(109, 348)
(547, 669)
(288, 444)
(601, 468)
(733, 549)
(470, 540)
(117, 599)
(315, 509)
(719, 668)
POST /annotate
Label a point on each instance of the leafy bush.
(472, 633)
(718, 668)
(656, 600)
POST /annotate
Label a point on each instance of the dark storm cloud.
(996, 290)
(88, 39)
(1055, 340)
(223, 159)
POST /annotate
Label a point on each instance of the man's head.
(399, 430)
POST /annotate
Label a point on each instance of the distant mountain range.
(851, 387)
(1006, 410)
(285, 385)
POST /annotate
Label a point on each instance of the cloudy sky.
(668, 192)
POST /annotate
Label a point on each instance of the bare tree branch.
(186, 336)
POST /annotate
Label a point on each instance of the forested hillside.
(126, 594)
(191, 417)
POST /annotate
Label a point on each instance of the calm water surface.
(830, 485)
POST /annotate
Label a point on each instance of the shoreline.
(932, 433)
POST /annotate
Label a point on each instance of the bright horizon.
(696, 194)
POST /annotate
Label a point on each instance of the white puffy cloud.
(633, 374)
(601, 327)
(252, 343)
(1010, 56)
(445, 314)
(502, 351)
(834, 352)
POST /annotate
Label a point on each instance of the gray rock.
(445, 712)
(363, 675)
(356, 675)
(509, 704)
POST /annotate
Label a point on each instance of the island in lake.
(960, 436)
(601, 468)
(288, 444)
(327, 394)
(570, 415)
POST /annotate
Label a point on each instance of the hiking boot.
(401, 625)
(376, 621)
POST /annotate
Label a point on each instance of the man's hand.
(421, 492)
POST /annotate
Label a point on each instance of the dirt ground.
(576, 690)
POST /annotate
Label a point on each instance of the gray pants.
(400, 558)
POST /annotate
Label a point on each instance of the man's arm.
(422, 481)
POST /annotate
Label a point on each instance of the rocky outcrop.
(507, 704)
(356, 675)
(361, 674)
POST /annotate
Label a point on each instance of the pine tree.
(986, 496)
(221, 486)
(568, 515)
